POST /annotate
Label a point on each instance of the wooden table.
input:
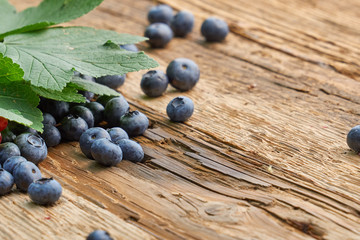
(264, 155)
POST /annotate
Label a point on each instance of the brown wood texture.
(263, 157)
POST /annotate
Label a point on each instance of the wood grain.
(263, 157)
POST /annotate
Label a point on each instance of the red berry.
(3, 123)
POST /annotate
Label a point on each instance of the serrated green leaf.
(19, 103)
(49, 12)
(48, 57)
(94, 87)
(68, 94)
(9, 71)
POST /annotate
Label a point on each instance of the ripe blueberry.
(117, 133)
(24, 174)
(180, 109)
(51, 135)
(159, 35)
(183, 74)
(353, 139)
(89, 136)
(84, 113)
(49, 119)
(132, 150)
(182, 23)
(161, 13)
(45, 191)
(72, 127)
(105, 152)
(32, 147)
(115, 109)
(97, 110)
(6, 181)
(130, 47)
(214, 29)
(134, 123)
(99, 235)
(154, 83)
(11, 163)
(8, 150)
(112, 81)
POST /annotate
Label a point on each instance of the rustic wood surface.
(264, 155)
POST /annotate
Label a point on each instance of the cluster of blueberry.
(164, 26)
(19, 165)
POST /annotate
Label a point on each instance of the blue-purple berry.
(51, 135)
(45, 191)
(117, 134)
(182, 23)
(11, 163)
(89, 136)
(106, 152)
(72, 127)
(154, 83)
(112, 81)
(32, 147)
(8, 150)
(183, 74)
(24, 174)
(214, 29)
(134, 123)
(161, 13)
(99, 235)
(6, 182)
(180, 109)
(132, 150)
(159, 34)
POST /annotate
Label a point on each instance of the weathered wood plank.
(263, 157)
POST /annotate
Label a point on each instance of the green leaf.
(48, 57)
(68, 94)
(19, 103)
(9, 71)
(49, 12)
(94, 87)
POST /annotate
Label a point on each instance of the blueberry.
(161, 13)
(154, 83)
(117, 133)
(32, 147)
(51, 135)
(103, 100)
(134, 123)
(8, 150)
(214, 29)
(106, 152)
(49, 119)
(89, 136)
(7, 135)
(112, 81)
(183, 74)
(182, 23)
(180, 109)
(159, 35)
(99, 235)
(12, 162)
(353, 139)
(6, 181)
(45, 191)
(115, 109)
(130, 47)
(57, 109)
(24, 174)
(71, 128)
(132, 150)
(97, 110)
(88, 95)
(84, 113)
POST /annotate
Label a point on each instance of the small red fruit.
(3, 123)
